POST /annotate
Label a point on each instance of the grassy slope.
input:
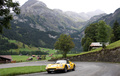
(27, 48)
(21, 70)
(50, 51)
(111, 46)
(21, 48)
(114, 45)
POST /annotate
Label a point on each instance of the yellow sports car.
(60, 65)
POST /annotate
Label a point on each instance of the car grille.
(51, 68)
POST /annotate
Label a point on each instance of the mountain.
(108, 18)
(89, 15)
(46, 19)
(111, 18)
(39, 26)
(94, 13)
(75, 16)
(95, 18)
(81, 17)
(54, 20)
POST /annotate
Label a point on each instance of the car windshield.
(61, 61)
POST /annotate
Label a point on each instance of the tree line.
(23, 53)
(5, 45)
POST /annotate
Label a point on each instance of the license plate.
(51, 70)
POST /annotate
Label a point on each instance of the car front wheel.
(73, 68)
(65, 69)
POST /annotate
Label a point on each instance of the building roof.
(6, 56)
(96, 44)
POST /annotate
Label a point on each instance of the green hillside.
(114, 45)
(14, 47)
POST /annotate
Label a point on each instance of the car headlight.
(47, 65)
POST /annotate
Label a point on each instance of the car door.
(71, 65)
(68, 65)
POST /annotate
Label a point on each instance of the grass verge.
(21, 70)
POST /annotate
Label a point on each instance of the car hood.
(54, 65)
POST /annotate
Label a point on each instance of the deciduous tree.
(103, 32)
(64, 44)
(6, 7)
(96, 32)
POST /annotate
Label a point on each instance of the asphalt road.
(82, 69)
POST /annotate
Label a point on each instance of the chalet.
(5, 58)
(95, 45)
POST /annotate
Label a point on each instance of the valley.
(34, 35)
(42, 26)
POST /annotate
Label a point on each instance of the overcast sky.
(108, 6)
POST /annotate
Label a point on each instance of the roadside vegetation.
(111, 46)
(21, 70)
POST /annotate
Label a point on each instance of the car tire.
(65, 69)
(49, 71)
(73, 68)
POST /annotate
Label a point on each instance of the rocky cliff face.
(34, 7)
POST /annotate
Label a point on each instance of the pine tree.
(116, 31)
